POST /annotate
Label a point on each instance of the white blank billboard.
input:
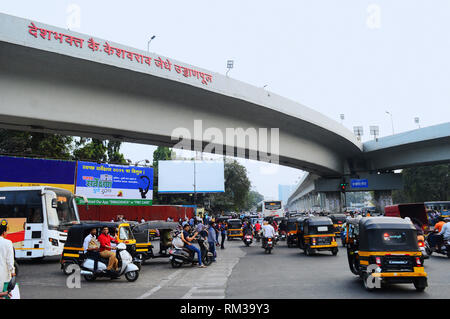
(178, 176)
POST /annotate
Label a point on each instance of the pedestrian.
(212, 240)
(223, 232)
(7, 270)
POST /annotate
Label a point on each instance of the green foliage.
(45, 145)
(426, 183)
(56, 146)
(237, 187)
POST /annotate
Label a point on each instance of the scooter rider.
(186, 239)
(268, 232)
(91, 247)
(445, 232)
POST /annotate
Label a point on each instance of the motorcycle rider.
(187, 243)
(445, 232)
(268, 232)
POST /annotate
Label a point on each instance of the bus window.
(64, 214)
(21, 204)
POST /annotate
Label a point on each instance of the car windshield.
(65, 214)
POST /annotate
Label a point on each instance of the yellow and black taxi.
(317, 234)
(73, 252)
(384, 250)
(142, 232)
(338, 221)
(234, 229)
(292, 232)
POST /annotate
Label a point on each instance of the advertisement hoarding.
(109, 184)
(18, 171)
(191, 176)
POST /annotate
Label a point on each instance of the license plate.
(398, 262)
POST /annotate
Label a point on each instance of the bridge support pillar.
(333, 202)
(382, 198)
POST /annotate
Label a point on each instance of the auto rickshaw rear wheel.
(334, 252)
(420, 285)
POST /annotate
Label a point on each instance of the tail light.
(313, 241)
(418, 262)
(378, 261)
(421, 244)
(270, 239)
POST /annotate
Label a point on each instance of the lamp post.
(148, 43)
(358, 131)
(230, 65)
(342, 116)
(392, 122)
(375, 131)
(416, 120)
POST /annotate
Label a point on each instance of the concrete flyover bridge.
(55, 80)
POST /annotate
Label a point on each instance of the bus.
(442, 206)
(38, 219)
(272, 208)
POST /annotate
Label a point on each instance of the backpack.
(177, 242)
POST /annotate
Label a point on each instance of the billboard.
(109, 184)
(191, 176)
(19, 171)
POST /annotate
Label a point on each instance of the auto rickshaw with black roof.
(338, 221)
(317, 234)
(73, 252)
(234, 229)
(384, 250)
(292, 232)
(143, 236)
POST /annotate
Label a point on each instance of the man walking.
(223, 232)
(7, 270)
(212, 240)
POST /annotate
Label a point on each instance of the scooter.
(180, 256)
(257, 236)
(422, 247)
(248, 239)
(268, 245)
(126, 266)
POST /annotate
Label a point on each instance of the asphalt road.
(240, 272)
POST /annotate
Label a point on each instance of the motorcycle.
(179, 256)
(267, 245)
(443, 249)
(248, 239)
(283, 235)
(257, 236)
(126, 266)
(422, 247)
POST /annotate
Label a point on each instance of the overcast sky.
(353, 57)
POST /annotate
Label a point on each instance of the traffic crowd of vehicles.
(43, 221)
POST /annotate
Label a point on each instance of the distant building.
(284, 191)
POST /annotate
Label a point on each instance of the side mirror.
(54, 203)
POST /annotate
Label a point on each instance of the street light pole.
(148, 43)
(392, 122)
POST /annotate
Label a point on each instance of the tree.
(161, 153)
(96, 150)
(253, 198)
(426, 183)
(237, 187)
(33, 144)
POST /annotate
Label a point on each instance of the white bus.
(272, 208)
(38, 219)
